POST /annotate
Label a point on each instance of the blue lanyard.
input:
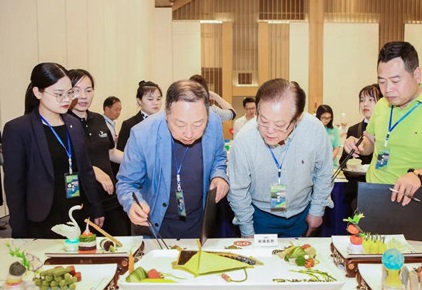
(178, 168)
(68, 152)
(391, 127)
(279, 165)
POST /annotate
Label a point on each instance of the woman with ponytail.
(46, 165)
(148, 97)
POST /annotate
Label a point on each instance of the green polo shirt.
(405, 142)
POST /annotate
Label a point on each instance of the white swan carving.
(71, 230)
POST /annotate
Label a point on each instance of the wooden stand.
(361, 282)
(351, 264)
(122, 263)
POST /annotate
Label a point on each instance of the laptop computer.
(383, 216)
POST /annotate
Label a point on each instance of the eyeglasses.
(280, 128)
(60, 97)
(326, 118)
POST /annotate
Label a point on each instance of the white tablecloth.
(322, 245)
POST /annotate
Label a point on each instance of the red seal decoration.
(242, 243)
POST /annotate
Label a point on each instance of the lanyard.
(279, 165)
(392, 127)
(68, 152)
(178, 168)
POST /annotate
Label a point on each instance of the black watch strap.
(416, 173)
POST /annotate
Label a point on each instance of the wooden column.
(263, 51)
(227, 71)
(316, 43)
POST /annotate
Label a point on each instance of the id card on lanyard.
(278, 192)
(71, 179)
(181, 209)
(384, 151)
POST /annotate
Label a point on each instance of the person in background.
(1, 163)
(183, 159)
(250, 110)
(45, 154)
(368, 97)
(112, 108)
(394, 132)
(224, 109)
(343, 127)
(280, 166)
(149, 97)
(325, 114)
(101, 151)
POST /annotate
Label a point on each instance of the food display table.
(112, 271)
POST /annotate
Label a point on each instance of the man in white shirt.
(250, 110)
(112, 108)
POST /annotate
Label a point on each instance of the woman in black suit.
(368, 97)
(148, 97)
(46, 165)
(101, 151)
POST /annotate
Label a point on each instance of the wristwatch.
(417, 174)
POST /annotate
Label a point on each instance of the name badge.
(72, 185)
(181, 209)
(383, 157)
(278, 197)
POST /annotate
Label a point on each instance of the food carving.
(300, 255)
(363, 243)
(70, 230)
(313, 274)
(103, 232)
(392, 261)
(14, 278)
(107, 245)
(202, 262)
(140, 275)
(87, 242)
(58, 278)
(356, 238)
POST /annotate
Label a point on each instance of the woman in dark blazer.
(368, 97)
(149, 97)
(43, 149)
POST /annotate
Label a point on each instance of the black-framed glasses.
(60, 96)
(280, 128)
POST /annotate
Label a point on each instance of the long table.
(322, 245)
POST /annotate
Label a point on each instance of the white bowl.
(354, 164)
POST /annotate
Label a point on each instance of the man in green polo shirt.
(394, 132)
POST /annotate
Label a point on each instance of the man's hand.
(139, 216)
(99, 221)
(366, 147)
(350, 144)
(222, 187)
(405, 188)
(313, 223)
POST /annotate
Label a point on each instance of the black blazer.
(125, 130)
(28, 170)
